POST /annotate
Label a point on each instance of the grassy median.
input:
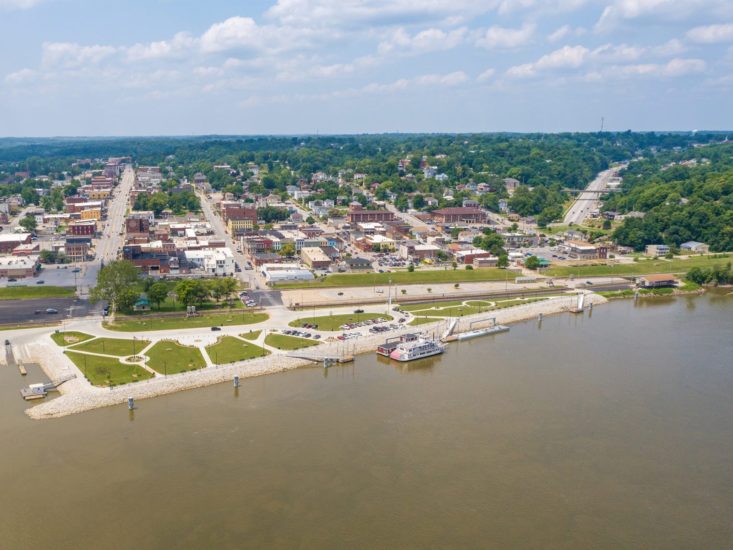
(143, 324)
(36, 292)
(69, 338)
(283, 341)
(168, 357)
(113, 346)
(642, 267)
(229, 349)
(107, 371)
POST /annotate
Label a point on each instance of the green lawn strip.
(131, 324)
(169, 357)
(283, 341)
(430, 305)
(251, 335)
(402, 278)
(462, 311)
(642, 267)
(478, 303)
(422, 321)
(229, 349)
(334, 322)
(107, 371)
(113, 346)
(35, 292)
(70, 338)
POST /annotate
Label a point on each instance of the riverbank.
(78, 396)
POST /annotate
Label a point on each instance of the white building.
(217, 261)
(275, 273)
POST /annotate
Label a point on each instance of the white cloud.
(487, 75)
(677, 10)
(424, 41)
(671, 47)
(711, 34)
(617, 53)
(559, 34)
(71, 55)
(23, 75)
(500, 37)
(18, 4)
(339, 13)
(181, 44)
(450, 79)
(235, 32)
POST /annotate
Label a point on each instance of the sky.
(188, 67)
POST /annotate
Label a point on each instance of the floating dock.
(468, 335)
(40, 390)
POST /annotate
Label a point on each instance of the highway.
(589, 199)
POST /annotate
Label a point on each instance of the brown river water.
(613, 430)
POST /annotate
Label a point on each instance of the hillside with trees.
(683, 196)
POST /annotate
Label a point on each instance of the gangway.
(580, 304)
(39, 391)
(449, 330)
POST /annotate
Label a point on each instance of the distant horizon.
(349, 134)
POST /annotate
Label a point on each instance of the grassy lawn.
(334, 322)
(113, 346)
(642, 267)
(251, 335)
(230, 350)
(107, 371)
(34, 292)
(283, 341)
(420, 307)
(403, 278)
(70, 338)
(171, 358)
(422, 321)
(131, 324)
(482, 307)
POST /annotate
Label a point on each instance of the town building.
(315, 257)
(10, 241)
(695, 247)
(18, 266)
(657, 281)
(654, 250)
(581, 250)
(458, 214)
(217, 262)
(357, 214)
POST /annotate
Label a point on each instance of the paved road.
(588, 201)
(217, 224)
(24, 311)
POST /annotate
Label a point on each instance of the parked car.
(215, 329)
(358, 311)
(76, 270)
(12, 280)
(40, 282)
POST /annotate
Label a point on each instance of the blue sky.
(154, 67)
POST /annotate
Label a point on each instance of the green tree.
(503, 261)
(157, 293)
(287, 250)
(192, 292)
(310, 220)
(533, 263)
(28, 223)
(115, 284)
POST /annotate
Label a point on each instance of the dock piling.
(130, 403)
(236, 381)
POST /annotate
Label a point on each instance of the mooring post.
(236, 381)
(130, 403)
(590, 306)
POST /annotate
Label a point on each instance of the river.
(613, 430)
